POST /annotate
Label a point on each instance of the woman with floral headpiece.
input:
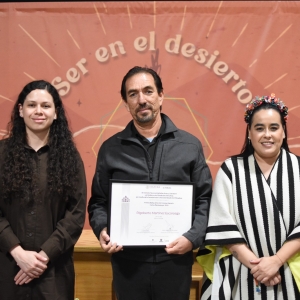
(252, 241)
(42, 198)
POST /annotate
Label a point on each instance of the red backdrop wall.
(212, 56)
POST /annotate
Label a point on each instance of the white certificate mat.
(149, 213)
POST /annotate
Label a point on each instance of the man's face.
(143, 101)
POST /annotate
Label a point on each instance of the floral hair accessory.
(257, 101)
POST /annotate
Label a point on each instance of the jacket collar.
(128, 134)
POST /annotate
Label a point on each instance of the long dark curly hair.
(19, 180)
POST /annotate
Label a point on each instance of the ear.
(56, 112)
(21, 110)
(161, 98)
(126, 105)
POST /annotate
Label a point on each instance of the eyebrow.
(34, 101)
(144, 88)
(260, 124)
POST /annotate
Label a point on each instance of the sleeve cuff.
(8, 240)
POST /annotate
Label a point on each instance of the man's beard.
(147, 118)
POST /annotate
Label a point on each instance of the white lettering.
(140, 43)
(188, 49)
(72, 75)
(63, 87)
(113, 50)
(201, 57)
(220, 68)
(173, 42)
(102, 54)
(242, 98)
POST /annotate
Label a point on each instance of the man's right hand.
(106, 245)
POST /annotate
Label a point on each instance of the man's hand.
(105, 243)
(179, 246)
(30, 262)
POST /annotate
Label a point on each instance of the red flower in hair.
(257, 101)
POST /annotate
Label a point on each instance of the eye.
(274, 128)
(259, 129)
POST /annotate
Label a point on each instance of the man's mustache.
(143, 107)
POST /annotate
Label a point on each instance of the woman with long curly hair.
(42, 198)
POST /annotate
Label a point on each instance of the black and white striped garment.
(247, 208)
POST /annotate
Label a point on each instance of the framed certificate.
(147, 213)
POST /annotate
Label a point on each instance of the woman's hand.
(273, 281)
(30, 262)
(24, 278)
(266, 269)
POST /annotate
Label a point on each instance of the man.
(150, 148)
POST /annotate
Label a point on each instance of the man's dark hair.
(136, 70)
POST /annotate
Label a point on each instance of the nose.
(141, 98)
(38, 109)
(267, 133)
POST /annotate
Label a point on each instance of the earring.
(249, 141)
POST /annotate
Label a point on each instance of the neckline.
(268, 179)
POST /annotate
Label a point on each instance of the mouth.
(143, 109)
(38, 120)
(267, 144)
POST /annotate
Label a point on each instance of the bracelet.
(257, 287)
(279, 259)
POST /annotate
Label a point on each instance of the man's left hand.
(179, 246)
